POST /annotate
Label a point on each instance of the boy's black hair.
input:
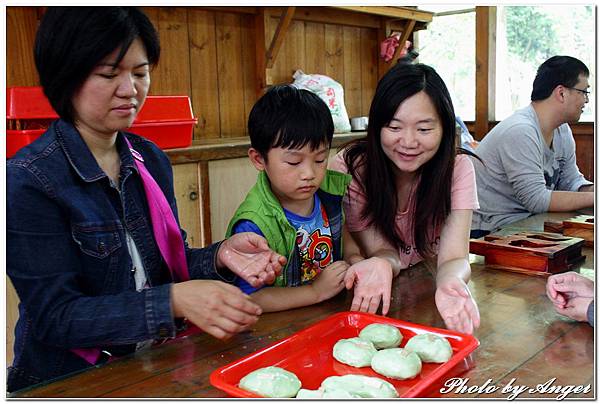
(71, 41)
(288, 117)
(558, 70)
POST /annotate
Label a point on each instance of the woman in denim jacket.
(81, 251)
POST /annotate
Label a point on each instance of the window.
(448, 45)
(527, 36)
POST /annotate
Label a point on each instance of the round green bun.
(360, 386)
(382, 335)
(431, 348)
(271, 381)
(396, 363)
(321, 393)
(355, 352)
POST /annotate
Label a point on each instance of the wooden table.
(521, 338)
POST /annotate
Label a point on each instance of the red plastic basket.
(308, 354)
(28, 103)
(16, 139)
(167, 120)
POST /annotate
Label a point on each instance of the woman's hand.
(248, 255)
(456, 305)
(215, 307)
(372, 281)
(330, 281)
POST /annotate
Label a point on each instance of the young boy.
(296, 203)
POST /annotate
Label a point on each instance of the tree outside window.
(448, 45)
(527, 36)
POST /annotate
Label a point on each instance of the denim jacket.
(67, 255)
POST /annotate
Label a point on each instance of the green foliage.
(448, 45)
(530, 33)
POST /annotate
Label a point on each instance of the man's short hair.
(558, 70)
(288, 117)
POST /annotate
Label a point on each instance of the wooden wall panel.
(275, 75)
(203, 73)
(352, 67)
(172, 74)
(292, 53)
(231, 95)
(188, 196)
(248, 67)
(369, 67)
(585, 154)
(314, 43)
(21, 26)
(230, 180)
(334, 52)
(294, 56)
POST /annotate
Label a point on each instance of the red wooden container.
(308, 354)
(531, 253)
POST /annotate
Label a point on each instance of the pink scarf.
(166, 233)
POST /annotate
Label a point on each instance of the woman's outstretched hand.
(248, 255)
(456, 305)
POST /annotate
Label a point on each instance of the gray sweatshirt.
(521, 171)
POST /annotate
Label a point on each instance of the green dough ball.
(381, 335)
(335, 393)
(396, 363)
(360, 386)
(354, 352)
(431, 348)
(306, 394)
(271, 382)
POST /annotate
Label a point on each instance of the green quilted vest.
(263, 209)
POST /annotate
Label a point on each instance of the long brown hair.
(378, 182)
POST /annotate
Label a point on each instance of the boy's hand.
(456, 305)
(215, 307)
(248, 255)
(330, 281)
(372, 281)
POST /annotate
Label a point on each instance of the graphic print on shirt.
(315, 247)
(551, 179)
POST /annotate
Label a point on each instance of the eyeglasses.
(585, 93)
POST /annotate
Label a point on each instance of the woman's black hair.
(71, 41)
(289, 117)
(378, 179)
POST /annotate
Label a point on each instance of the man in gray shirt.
(529, 158)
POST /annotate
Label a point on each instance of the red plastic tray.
(308, 354)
